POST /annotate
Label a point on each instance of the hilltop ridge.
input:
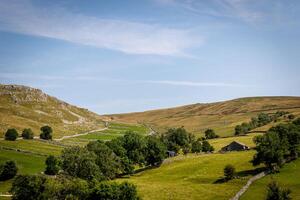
(25, 107)
(222, 116)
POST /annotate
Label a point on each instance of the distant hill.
(24, 107)
(221, 116)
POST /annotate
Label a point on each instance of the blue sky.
(124, 56)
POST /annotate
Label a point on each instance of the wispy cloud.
(252, 11)
(22, 77)
(130, 37)
(195, 84)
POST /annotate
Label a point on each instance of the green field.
(193, 177)
(114, 130)
(27, 164)
(289, 177)
(34, 146)
(221, 142)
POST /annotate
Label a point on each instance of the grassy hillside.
(27, 164)
(221, 116)
(288, 177)
(193, 177)
(24, 107)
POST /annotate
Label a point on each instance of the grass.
(289, 177)
(221, 142)
(114, 130)
(192, 177)
(23, 107)
(27, 164)
(221, 116)
(33, 146)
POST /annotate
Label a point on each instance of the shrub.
(291, 117)
(229, 172)
(8, 170)
(46, 133)
(155, 151)
(277, 193)
(52, 165)
(206, 147)
(11, 134)
(27, 187)
(27, 133)
(210, 134)
(81, 163)
(197, 146)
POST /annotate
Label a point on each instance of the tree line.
(279, 145)
(85, 172)
(12, 134)
(260, 120)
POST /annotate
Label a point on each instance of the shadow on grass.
(251, 172)
(242, 174)
(126, 176)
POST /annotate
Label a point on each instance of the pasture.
(193, 177)
(288, 177)
(27, 164)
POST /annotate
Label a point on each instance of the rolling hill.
(221, 116)
(24, 107)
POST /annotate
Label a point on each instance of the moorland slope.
(221, 116)
(25, 107)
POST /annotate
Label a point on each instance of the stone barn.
(235, 146)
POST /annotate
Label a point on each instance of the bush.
(52, 165)
(114, 191)
(8, 170)
(106, 160)
(27, 187)
(27, 133)
(210, 134)
(11, 134)
(291, 117)
(46, 133)
(206, 147)
(81, 163)
(229, 172)
(197, 146)
(277, 193)
(155, 151)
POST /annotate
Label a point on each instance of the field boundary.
(249, 182)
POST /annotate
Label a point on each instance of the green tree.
(8, 170)
(107, 161)
(229, 172)
(210, 134)
(27, 187)
(196, 146)
(206, 147)
(277, 193)
(238, 130)
(155, 151)
(11, 134)
(81, 163)
(114, 191)
(52, 165)
(297, 121)
(46, 133)
(176, 138)
(27, 133)
(134, 144)
(270, 150)
(116, 145)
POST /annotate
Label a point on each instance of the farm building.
(171, 153)
(235, 146)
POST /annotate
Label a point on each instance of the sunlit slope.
(24, 107)
(221, 116)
